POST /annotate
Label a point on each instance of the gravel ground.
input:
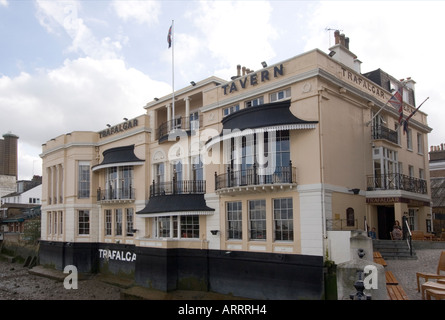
(405, 270)
(16, 283)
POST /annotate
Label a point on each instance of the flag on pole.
(169, 37)
(397, 102)
(405, 123)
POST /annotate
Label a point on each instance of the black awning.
(120, 156)
(177, 204)
(265, 115)
(263, 118)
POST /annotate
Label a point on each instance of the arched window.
(350, 220)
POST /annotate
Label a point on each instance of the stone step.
(393, 249)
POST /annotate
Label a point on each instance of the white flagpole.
(173, 73)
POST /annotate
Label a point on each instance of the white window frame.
(85, 223)
(280, 95)
(84, 180)
(254, 102)
(234, 220)
(288, 221)
(255, 221)
(229, 110)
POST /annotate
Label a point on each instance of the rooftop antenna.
(329, 30)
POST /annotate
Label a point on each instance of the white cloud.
(83, 94)
(393, 36)
(138, 11)
(63, 17)
(232, 33)
(4, 3)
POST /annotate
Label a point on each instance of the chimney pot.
(337, 36)
(342, 39)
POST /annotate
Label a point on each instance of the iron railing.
(397, 181)
(341, 224)
(253, 176)
(381, 132)
(126, 193)
(177, 187)
(183, 123)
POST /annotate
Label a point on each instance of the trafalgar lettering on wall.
(374, 89)
(253, 79)
(118, 128)
(117, 255)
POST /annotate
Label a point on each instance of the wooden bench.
(390, 279)
(396, 292)
(417, 235)
(379, 259)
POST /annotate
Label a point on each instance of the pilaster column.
(187, 106)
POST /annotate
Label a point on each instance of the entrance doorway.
(385, 221)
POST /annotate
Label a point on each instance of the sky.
(78, 65)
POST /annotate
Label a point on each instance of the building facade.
(437, 173)
(234, 186)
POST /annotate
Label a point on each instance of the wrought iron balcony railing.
(397, 181)
(252, 176)
(381, 132)
(110, 194)
(183, 123)
(177, 187)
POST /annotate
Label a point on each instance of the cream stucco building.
(240, 177)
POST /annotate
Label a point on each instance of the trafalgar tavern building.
(240, 186)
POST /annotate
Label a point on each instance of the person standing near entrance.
(397, 231)
(372, 234)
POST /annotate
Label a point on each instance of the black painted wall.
(245, 274)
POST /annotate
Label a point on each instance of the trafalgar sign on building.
(117, 255)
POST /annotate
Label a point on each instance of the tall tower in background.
(8, 155)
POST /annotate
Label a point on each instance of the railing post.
(216, 181)
(228, 177)
(255, 179)
(290, 172)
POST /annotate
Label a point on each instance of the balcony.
(116, 195)
(397, 181)
(242, 180)
(383, 133)
(177, 187)
(183, 124)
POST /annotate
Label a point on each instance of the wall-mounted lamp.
(214, 232)
(193, 83)
(355, 191)
(264, 64)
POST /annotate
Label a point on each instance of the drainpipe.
(323, 209)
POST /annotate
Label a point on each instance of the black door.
(385, 221)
